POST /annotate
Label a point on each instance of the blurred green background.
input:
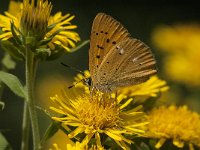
(139, 17)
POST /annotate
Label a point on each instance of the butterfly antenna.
(73, 68)
(86, 80)
(71, 86)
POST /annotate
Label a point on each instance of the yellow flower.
(37, 18)
(176, 123)
(99, 115)
(150, 88)
(181, 42)
(70, 145)
(34, 19)
(81, 81)
(76, 146)
(175, 38)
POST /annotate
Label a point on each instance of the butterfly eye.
(97, 33)
(106, 32)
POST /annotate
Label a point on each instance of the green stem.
(31, 65)
(25, 128)
(1, 88)
(3, 68)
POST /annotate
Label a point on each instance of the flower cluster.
(181, 43)
(176, 123)
(98, 115)
(89, 118)
(104, 115)
(31, 24)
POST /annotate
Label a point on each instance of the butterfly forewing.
(106, 32)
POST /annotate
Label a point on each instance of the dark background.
(139, 17)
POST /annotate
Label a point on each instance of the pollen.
(98, 115)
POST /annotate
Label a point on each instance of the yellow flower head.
(70, 145)
(151, 88)
(99, 115)
(181, 42)
(34, 20)
(176, 123)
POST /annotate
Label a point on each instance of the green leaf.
(43, 53)
(4, 145)
(8, 62)
(50, 27)
(79, 46)
(14, 51)
(13, 28)
(2, 104)
(45, 41)
(51, 130)
(13, 83)
(56, 53)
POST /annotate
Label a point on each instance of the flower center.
(98, 115)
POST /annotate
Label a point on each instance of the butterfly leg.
(116, 95)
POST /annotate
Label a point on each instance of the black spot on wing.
(113, 42)
(98, 56)
(100, 47)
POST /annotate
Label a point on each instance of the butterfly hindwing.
(129, 62)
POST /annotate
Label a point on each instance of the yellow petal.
(178, 143)
(160, 143)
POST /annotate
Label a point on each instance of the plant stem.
(25, 128)
(2, 86)
(3, 68)
(31, 65)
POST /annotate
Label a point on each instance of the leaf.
(8, 62)
(51, 130)
(2, 104)
(56, 53)
(13, 83)
(14, 51)
(82, 44)
(4, 145)
(13, 28)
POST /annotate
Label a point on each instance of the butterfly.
(115, 58)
